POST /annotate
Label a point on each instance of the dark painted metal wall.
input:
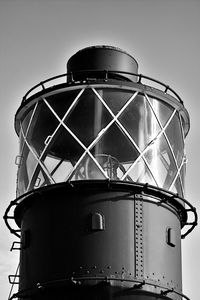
(76, 238)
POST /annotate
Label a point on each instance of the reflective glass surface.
(98, 134)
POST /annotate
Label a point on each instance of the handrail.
(106, 74)
(14, 281)
(138, 284)
(161, 196)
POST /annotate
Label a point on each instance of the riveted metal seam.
(139, 259)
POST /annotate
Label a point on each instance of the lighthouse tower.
(100, 208)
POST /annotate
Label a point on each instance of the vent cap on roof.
(90, 62)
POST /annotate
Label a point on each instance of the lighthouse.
(100, 209)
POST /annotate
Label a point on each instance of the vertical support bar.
(139, 259)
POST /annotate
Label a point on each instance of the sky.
(37, 37)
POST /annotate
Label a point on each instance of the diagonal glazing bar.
(144, 159)
(124, 130)
(70, 175)
(79, 142)
(115, 117)
(29, 124)
(149, 145)
(36, 157)
(27, 130)
(101, 133)
(166, 137)
(178, 174)
(43, 170)
(183, 139)
(182, 129)
(51, 139)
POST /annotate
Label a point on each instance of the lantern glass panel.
(26, 122)
(88, 118)
(98, 134)
(161, 162)
(22, 175)
(161, 110)
(140, 122)
(115, 98)
(175, 136)
(42, 126)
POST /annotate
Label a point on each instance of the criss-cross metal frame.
(48, 176)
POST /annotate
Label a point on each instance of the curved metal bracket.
(159, 196)
(105, 77)
(138, 284)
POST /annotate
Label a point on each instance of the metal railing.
(105, 75)
(138, 284)
(159, 195)
(12, 280)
